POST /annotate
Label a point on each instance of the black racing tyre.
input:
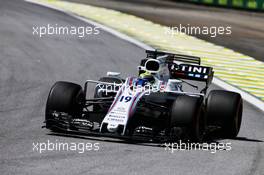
(158, 98)
(101, 107)
(186, 111)
(224, 109)
(64, 97)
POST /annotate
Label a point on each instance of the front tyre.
(224, 109)
(64, 97)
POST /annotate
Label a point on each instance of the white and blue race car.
(161, 102)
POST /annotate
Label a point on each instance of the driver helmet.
(147, 77)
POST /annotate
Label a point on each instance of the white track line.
(246, 96)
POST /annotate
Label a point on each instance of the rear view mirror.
(152, 65)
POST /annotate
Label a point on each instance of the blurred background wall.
(244, 4)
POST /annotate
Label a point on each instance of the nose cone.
(111, 127)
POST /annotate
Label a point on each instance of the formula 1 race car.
(155, 104)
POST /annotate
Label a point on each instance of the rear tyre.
(224, 109)
(186, 112)
(64, 97)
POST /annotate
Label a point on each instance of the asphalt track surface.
(29, 65)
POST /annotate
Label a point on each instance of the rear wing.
(184, 66)
(173, 57)
(191, 72)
